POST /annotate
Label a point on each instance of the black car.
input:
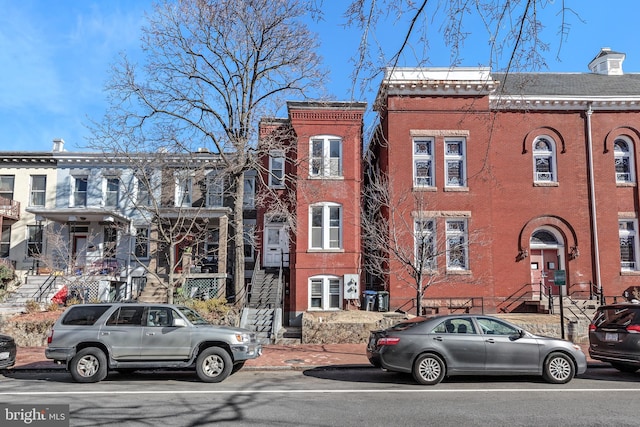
(614, 336)
(7, 351)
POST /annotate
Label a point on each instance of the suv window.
(616, 317)
(126, 316)
(84, 314)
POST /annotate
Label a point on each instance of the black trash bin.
(368, 300)
(383, 301)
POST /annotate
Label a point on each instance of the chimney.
(607, 62)
(58, 145)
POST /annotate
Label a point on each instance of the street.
(331, 397)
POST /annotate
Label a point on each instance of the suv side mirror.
(179, 322)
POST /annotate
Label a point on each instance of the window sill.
(324, 251)
(327, 178)
(546, 184)
(457, 189)
(459, 272)
(630, 273)
(415, 188)
(625, 184)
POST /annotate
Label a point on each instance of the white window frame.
(183, 190)
(215, 189)
(109, 194)
(624, 158)
(37, 195)
(326, 156)
(7, 186)
(35, 239)
(425, 233)
(458, 158)
(249, 199)
(327, 228)
(457, 240)
(143, 192)
(249, 238)
(75, 193)
(325, 293)
(139, 231)
(423, 156)
(627, 230)
(548, 155)
(276, 169)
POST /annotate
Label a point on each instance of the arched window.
(623, 154)
(544, 160)
(544, 237)
(326, 156)
(325, 222)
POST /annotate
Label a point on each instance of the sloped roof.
(568, 84)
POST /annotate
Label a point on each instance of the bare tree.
(212, 69)
(513, 30)
(400, 240)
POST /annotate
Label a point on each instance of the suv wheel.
(213, 365)
(89, 365)
(558, 369)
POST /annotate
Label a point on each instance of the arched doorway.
(547, 256)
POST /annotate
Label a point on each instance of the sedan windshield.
(193, 316)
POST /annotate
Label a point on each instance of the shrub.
(7, 274)
(32, 306)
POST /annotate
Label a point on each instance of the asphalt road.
(331, 397)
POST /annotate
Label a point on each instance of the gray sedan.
(435, 347)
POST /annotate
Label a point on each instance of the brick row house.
(313, 229)
(508, 182)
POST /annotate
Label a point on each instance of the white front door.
(276, 250)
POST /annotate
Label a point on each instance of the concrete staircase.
(263, 315)
(31, 291)
(154, 291)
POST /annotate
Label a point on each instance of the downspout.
(592, 206)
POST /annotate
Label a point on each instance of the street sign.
(560, 278)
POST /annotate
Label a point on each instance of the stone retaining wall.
(354, 326)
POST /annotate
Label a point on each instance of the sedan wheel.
(89, 365)
(558, 369)
(214, 365)
(429, 369)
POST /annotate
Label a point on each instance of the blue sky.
(55, 57)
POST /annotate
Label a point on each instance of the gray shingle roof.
(568, 84)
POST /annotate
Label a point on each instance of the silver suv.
(94, 338)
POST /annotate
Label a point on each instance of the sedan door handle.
(105, 333)
(151, 333)
(490, 340)
(437, 338)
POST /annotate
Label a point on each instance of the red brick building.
(511, 177)
(315, 168)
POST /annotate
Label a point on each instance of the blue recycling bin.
(369, 300)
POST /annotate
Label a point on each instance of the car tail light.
(50, 337)
(633, 329)
(592, 327)
(388, 341)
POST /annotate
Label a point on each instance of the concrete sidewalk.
(274, 357)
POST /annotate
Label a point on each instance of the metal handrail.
(44, 288)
